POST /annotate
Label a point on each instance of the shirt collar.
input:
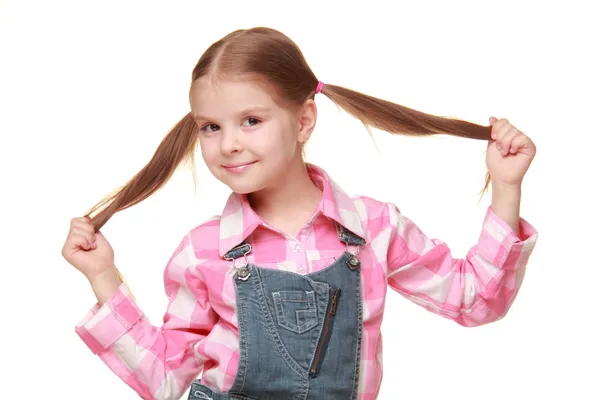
(239, 220)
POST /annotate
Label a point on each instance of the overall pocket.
(296, 310)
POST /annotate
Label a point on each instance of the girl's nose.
(230, 141)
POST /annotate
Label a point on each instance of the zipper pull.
(334, 302)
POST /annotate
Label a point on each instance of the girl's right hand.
(86, 250)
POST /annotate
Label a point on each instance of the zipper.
(326, 334)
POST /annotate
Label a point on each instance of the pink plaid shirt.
(200, 328)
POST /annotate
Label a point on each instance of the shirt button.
(296, 248)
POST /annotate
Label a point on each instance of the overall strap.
(241, 250)
(348, 236)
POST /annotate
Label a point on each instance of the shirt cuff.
(103, 325)
(501, 245)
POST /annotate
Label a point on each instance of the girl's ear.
(307, 118)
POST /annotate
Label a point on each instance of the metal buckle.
(353, 262)
(243, 272)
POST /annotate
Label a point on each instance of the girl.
(282, 296)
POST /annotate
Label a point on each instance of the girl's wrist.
(105, 284)
(506, 187)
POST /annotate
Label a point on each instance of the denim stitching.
(297, 327)
(359, 329)
(243, 329)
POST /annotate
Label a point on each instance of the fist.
(88, 251)
(509, 154)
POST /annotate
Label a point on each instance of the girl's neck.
(289, 204)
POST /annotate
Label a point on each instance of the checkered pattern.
(200, 328)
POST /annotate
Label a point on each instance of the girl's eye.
(210, 128)
(251, 121)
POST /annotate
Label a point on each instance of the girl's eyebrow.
(245, 111)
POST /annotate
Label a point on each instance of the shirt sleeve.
(157, 362)
(473, 291)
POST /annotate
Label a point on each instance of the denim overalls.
(299, 335)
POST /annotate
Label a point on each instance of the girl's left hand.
(509, 153)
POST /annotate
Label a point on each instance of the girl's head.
(252, 98)
(252, 101)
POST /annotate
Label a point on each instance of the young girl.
(282, 296)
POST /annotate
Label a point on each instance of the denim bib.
(299, 335)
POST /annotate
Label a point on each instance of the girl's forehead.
(228, 88)
(217, 85)
(210, 96)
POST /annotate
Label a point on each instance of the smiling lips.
(238, 167)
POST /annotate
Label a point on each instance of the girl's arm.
(157, 362)
(481, 287)
(471, 291)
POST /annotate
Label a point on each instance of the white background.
(88, 90)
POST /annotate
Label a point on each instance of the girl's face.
(249, 141)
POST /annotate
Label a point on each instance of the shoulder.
(376, 215)
(200, 243)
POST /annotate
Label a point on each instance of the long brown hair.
(270, 55)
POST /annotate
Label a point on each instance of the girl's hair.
(271, 56)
